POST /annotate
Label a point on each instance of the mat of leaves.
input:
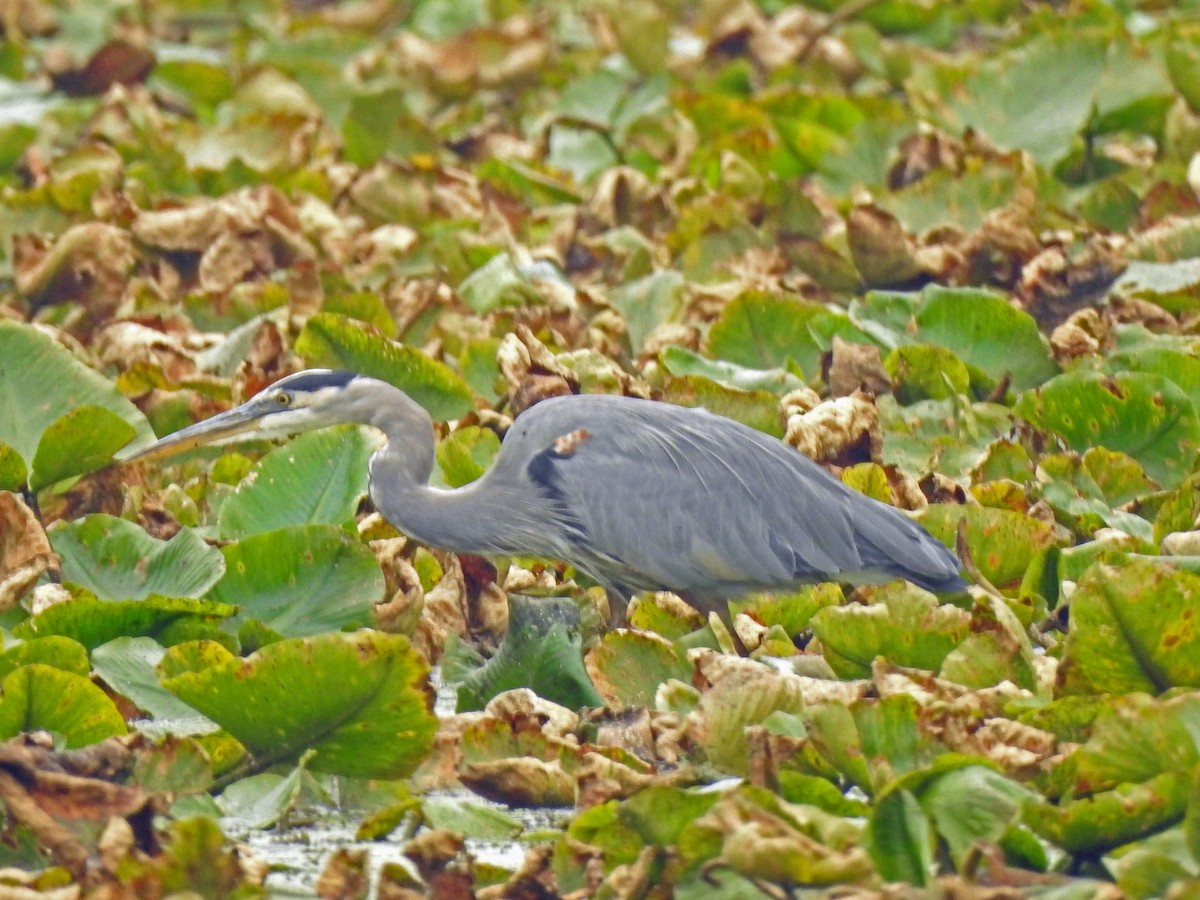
(948, 250)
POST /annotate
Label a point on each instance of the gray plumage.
(639, 495)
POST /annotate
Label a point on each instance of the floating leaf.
(647, 303)
(127, 665)
(1134, 627)
(899, 838)
(904, 624)
(1003, 542)
(466, 454)
(682, 362)
(985, 331)
(317, 478)
(278, 702)
(116, 560)
(54, 650)
(301, 580)
(81, 441)
(1146, 416)
(40, 383)
(339, 343)
(38, 697)
(539, 651)
(926, 372)
(1099, 823)
(628, 666)
(765, 331)
(93, 622)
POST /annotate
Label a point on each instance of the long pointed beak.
(221, 428)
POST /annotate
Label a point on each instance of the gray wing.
(655, 496)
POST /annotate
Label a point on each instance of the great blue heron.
(637, 494)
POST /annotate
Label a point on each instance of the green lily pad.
(127, 665)
(758, 409)
(1003, 542)
(301, 580)
(1135, 738)
(498, 282)
(317, 478)
(260, 800)
(903, 623)
(280, 702)
(53, 650)
(1144, 415)
(13, 471)
(337, 342)
(628, 666)
(900, 839)
(648, 302)
(40, 383)
(792, 611)
(116, 560)
(1097, 824)
(1181, 368)
(926, 372)
(1134, 627)
(93, 622)
(540, 651)
(679, 361)
(972, 803)
(466, 454)
(766, 331)
(40, 697)
(985, 331)
(79, 442)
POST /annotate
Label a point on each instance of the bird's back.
(655, 496)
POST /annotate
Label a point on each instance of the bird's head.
(315, 398)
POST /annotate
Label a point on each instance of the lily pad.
(53, 650)
(926, 372)
(39, 697)
(1134, 627)
(1146, 416)
(1097, 824)
(1003, 542)
(93, 622)
(903, 623)
(116, 560)
(318, 477)
(301, 580)
(40, 383)
(81, 441)
(985, 331)
(127, 665)
(766, 331)
(340, 343)
(466, 454)
(282, 701)
(540, 651)
(628, 666)
(679, 361)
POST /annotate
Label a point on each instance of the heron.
(640, 495)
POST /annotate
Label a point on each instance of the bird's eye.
(283, 399)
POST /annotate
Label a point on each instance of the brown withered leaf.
(839, 432)
(88, 264)
(883, 252)
(922, 152)
(520, 781)
(25, 552)
(125, 344)
(849, 367)
(119, 61)
(345, 876)
(250, 232)
(1059, 281)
